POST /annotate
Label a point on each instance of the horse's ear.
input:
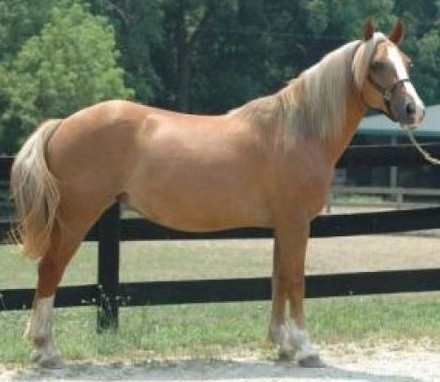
(396, 35)
(368, 29)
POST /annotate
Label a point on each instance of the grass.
(218, 330)
(207, 330)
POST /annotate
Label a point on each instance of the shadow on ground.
(203, 371)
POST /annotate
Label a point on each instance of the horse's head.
(387, 86)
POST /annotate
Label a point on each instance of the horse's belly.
(196, 208)
(206, 222)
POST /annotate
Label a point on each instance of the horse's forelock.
(362, 58)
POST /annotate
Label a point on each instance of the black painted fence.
(109, 294)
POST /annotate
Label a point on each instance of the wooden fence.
(109, 294)
(397, 196)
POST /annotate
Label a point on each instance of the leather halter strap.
(387, 93)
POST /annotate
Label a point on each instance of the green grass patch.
(219, 330)
(206, 330)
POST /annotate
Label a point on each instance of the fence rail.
(398, 196)
(109, 294)
(232, 290)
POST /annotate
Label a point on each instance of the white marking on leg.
(279, 335)
(402, 73)
(300, 341)
(39, 331)
(40, 323)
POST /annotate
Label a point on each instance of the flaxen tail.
(35, 192)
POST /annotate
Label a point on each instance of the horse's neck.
(332, 145)
(355, 111)
(331, 106)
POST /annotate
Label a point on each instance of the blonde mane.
(313, 104)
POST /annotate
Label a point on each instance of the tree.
(20, 20)
(70, 64)
(139, 29)
(185, 23)
(422, 43)
(210, 55)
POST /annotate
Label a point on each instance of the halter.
(387, 93)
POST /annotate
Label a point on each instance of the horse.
(268, 163)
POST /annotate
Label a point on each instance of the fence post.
(108, 268)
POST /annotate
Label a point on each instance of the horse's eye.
(409, 65)
(377, 65)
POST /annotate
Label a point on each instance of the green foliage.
(240, 50)
(70, 64)
(203, 56)
(428, 70)
(20, 20)
(139, 28)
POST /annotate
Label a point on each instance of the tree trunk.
(183, 62)
(184, 78)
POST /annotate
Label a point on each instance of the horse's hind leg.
(77, 212)
(50, 271)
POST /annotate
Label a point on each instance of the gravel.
(382, 364)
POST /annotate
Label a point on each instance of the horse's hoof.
(285, 355)
(45, 361)
(36, 356)
(52, 363)
(311, 361)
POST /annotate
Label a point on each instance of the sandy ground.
(382, 365)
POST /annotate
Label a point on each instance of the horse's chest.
(306, 187)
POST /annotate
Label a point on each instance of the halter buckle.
(387, 95)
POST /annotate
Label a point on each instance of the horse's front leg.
(290, 336)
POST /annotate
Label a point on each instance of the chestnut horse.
(268, 163)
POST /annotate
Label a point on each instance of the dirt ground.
(381, 365)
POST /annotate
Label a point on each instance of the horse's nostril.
(410, 108)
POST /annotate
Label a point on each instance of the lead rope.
(426, 155)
